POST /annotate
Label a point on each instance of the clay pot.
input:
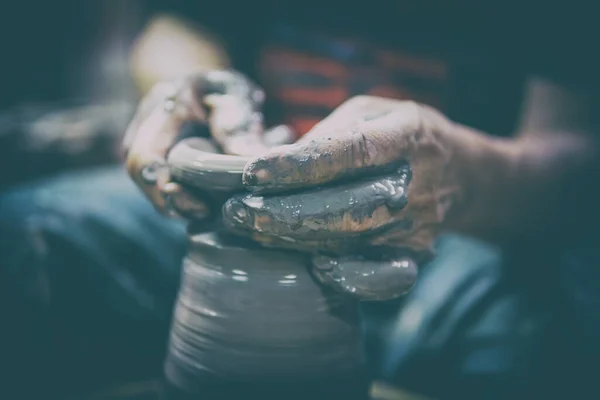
(251, 321)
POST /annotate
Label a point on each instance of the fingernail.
(256, 173)
(250, 179)
(235, 213)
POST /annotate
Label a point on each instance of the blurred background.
(67, 54)
(72, 73)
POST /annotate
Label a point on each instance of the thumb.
(235, 124)
(360, 149)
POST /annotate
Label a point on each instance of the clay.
(194, 163)
(366, 279)
(249, 319)
(316, 214)
(248, 314)
(309, 221)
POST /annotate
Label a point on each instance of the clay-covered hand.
(226, 102)
(368, 189)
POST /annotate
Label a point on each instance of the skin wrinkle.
(351, 204)
(208, 97)
(462, 180)
(355, 246)
(366, 146)
(403, 130)
(444, 193)
(335, 142)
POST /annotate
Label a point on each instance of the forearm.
(533, 185)
(555, 182)
(483, 175)
(539, 183)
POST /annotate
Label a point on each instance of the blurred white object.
(169, 48)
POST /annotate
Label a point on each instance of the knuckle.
(359, 101)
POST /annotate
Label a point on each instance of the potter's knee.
(91, 215)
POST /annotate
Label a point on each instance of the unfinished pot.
(252, 321)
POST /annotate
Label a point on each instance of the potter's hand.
(374, 178)
(226, 101)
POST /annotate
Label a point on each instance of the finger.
(366, 279)
(351, 113)
(195, 87)
(153, 139)
(367, 207)
(183, 203)
(235, 124)
(171, 200)
(325, 246)
(338, 153)
(156, 96)
(174, 99)
(279, 135)
(228, 82)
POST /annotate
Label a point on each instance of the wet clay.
(195, 163)
(313, 219)
(366, 206)
(255, 316)
(365, 279)
(253, 320)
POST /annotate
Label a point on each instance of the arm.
(344, 191)
(461, 180)
(538, 183)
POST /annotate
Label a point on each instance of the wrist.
(486, 173)
(522, 188)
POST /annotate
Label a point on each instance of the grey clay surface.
(194, 163)
(306, 217)
(246, 313)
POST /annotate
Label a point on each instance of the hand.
(368, 189)
(226, 101)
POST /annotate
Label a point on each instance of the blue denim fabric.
(468, 329)
(490, 323)
(88, 275)
(95, 226)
